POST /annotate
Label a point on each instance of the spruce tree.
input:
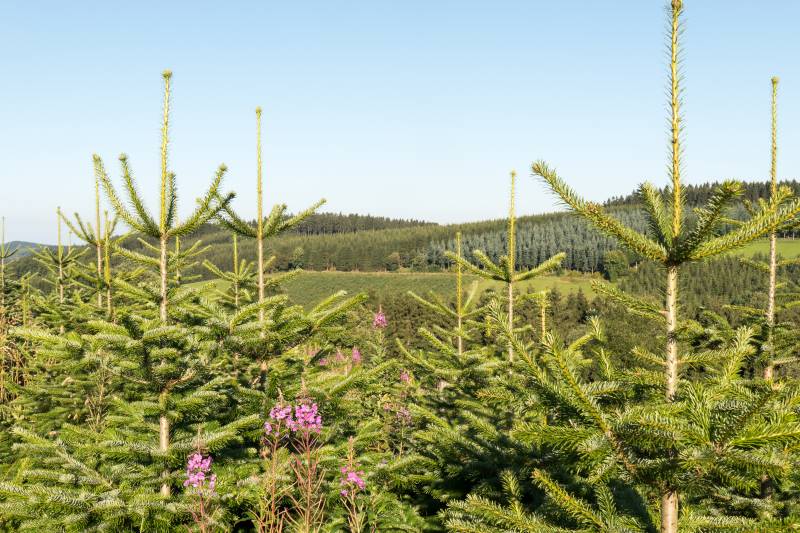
(505, 270)
(671, 242)
(263, 228)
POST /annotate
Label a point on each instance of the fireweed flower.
(352, 480)
(281, 414)
(404, 416)
(306, 418)
(356, 356)
(379, 320)
(198, 468)
(405, 377)
(323, 362)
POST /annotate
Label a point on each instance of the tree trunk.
(669, 498)
(163, 446)
(261, 281)
(459, 338)
(669, 512)
(672, 341)
(769, 369)
(163, 272)
(510, 320)
(99, 271)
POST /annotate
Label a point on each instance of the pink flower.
(405, 377)
(379, 320)
(280, 416)
(197, 467)
(306, 418)
(356, 355)
(404, 416)
(351, 479)
(323, 362)
(278, 413)
(339, 356)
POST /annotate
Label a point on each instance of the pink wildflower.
(323, 362)
(197, 468)
(379, 320)
(281, 414)
(356, 356)
(405, 377)
(404, 416)
(306, 418)
(352, 479)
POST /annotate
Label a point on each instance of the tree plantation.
(173, 373)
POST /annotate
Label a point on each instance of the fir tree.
(505, 270)
(671, 242)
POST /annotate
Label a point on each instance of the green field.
(311, 287)
(787, 248)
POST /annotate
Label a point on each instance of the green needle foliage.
(505, 270)
(670, 240)
(462, 311)
(241, 281)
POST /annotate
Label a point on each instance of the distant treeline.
(700, 194)
(331, 241)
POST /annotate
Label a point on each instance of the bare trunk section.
(672, 340)
(510, 320)
(99, 270)
(773, 245)
(669, 498)
(163, 421)
(163, 272)
(163, 446)
(669, 512)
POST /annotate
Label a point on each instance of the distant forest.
(350, 242)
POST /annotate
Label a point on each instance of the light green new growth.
(505, 270)
(141, 220)
(463, 310)
(669, 241)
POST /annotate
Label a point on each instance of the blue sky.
(405, 109)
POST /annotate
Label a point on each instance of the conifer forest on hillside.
(621, 367)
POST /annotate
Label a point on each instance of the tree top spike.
(775, 80)
(167, 74)
(258, 110)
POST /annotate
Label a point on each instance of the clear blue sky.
(405, 109)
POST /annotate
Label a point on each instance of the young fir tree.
(505, 270)
(160, 395)
(262, 229)
(240, 281)
(777, 347)
(461, 310)
(95, 236)
(673, 242)
(60, 264)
